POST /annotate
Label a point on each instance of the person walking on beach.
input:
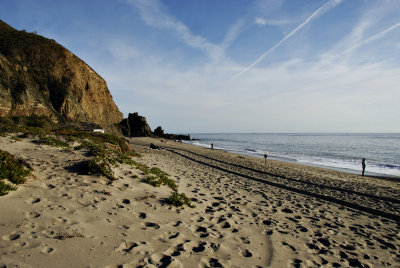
(212, 145)
(363, 166)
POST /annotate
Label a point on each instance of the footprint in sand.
(128, 246)
(287, 210)
(125, 227)
(245, 240)
(201, 219)
(215, 263)
(33, 200)
(226, 225)
(297, 263)
(32, 215)
(164, 261)
(174, 236)
(23, 244)
(290, 246)
(302, 229)
(177, 224)
(152, 224)
(47, 250)
(200, 248)
(126, 201)
(11, 237)
(61, 219)
(67, 196)
(48, 233)
(246, 253)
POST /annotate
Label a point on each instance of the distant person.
(212, 145)
(363, 166)
(265, 157)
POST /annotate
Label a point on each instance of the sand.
(247, 214)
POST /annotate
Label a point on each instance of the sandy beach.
(246, 214)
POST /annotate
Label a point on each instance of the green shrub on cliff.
(28, 125)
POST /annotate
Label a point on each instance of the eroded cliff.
(39, 76)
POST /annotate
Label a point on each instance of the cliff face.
(39, 76)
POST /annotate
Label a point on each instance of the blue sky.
(232, 65)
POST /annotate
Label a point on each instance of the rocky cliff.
(39, 76)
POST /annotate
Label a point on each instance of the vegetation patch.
(98, 138)
(158, 178)
(13, 170)
(178, 200)
(153, 181)
(100, 166)
(52, 141)
(28, 125)
(5, 188)
(104, 157)
(66, 235)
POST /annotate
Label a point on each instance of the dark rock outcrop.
(159, 132)
(177, 137)
(40, 77)
(135, 126)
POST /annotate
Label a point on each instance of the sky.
(219, 66)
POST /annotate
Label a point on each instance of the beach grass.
(53, 141)
(5, 188)
(65, 235)
(13, 170)
(179, 199)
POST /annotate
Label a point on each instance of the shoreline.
(245, 214)
(294, 161)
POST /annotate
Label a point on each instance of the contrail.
(361, 43)
(321, 10)
(372, 38)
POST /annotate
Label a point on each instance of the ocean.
(333, 151)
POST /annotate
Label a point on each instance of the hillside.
(39, 76)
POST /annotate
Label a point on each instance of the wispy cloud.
(233, 33)
(153, 14)
(268, 6)
(260, 21)
(320, 11)
(263, 22)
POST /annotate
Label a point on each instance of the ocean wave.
(333, 151)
